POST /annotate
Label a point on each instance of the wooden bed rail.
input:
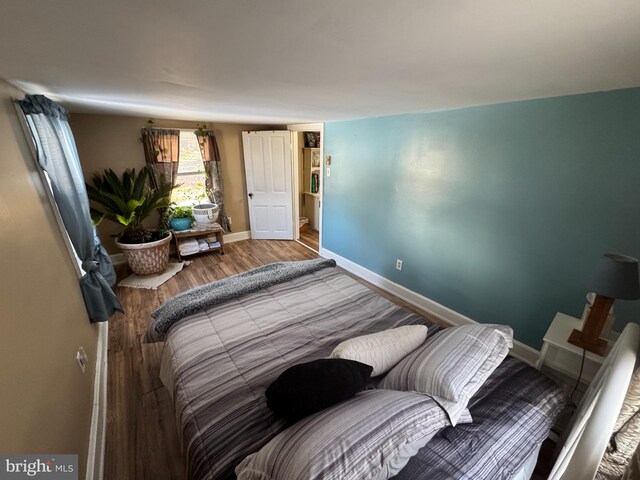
(584, 443)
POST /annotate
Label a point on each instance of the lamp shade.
(616, 276)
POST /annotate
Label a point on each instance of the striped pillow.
(452, 365)
(372, 435)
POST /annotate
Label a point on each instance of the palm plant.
(127, 201)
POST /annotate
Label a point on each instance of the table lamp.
(615, 276)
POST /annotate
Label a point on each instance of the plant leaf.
(133, 204)
(140, 183)
(126, 221)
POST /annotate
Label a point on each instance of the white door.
(267, 161)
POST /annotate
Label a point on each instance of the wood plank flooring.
(142, 440)
(310, 238)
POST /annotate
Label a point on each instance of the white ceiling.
(287, 61)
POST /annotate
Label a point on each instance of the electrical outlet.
(398, 264)
(83, 360)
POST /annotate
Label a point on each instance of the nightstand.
(561, 356)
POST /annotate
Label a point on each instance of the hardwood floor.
(310, 238)
(142, 440)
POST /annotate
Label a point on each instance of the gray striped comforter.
(512, 414)
(217, 364)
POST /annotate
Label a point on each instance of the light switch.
(328, 171)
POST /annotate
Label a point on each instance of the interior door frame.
(306, 127)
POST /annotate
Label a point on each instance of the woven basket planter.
(147, 258)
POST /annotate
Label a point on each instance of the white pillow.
(452, 365)
(384, 349)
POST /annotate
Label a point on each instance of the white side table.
(560, 355)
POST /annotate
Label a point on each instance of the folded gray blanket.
(202, 298)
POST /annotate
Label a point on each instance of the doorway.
(308, 183)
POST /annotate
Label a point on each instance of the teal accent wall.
(499, 212)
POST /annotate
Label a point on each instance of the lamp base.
(599, 346)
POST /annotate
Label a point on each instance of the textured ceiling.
(300, 61)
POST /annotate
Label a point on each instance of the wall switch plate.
(83, 360)
(328, 171)
(399, 264)
(229, 218)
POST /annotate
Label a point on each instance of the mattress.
(218, 362)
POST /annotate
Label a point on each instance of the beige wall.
(111, 141)
(45, 400)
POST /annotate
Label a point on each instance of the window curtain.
(58, 157)
(162, 153)
(213, 171)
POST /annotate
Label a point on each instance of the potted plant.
(128, 201)
(180, 218)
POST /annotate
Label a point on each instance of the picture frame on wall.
(315, 159)
(312, 139)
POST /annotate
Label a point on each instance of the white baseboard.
(237, 236)
(520, 350)
(95, 455)
(118, 258)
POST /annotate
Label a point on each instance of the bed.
(226, 342)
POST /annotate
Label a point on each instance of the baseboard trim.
(95, 455)
(520, 350)
(118, 258)
(237, 236)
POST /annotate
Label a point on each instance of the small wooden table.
(215, 229)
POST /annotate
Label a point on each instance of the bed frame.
(584, 442)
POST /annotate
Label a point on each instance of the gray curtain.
(162, 153)
(213, 170)
(58, 157)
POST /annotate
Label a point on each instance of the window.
(191, 174)
(67, 239)
(46, 182)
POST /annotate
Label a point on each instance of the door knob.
(251, 195)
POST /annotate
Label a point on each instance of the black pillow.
(309, 387)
